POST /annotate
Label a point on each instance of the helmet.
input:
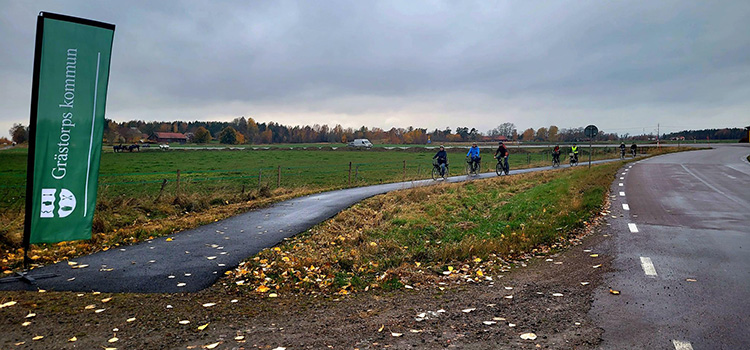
(500, 143)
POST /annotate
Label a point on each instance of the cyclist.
(574, 150)
(442, 159)
(622, 149)
(633, 149)
(502, 156)
(556, 154)
(473, 156)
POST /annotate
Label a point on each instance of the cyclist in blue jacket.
(473, 155)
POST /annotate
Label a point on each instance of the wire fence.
(320, 176)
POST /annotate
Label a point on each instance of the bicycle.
(500, 168)
(573, 159)
(439, 171)
(622, 153)
(472, 168)
(555, 160)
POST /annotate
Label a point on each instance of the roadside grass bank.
(153, 193)
(437, 235)
(434, 236)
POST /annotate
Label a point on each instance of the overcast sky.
(623, 66)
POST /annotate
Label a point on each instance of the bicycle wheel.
(499, 169)
(445, 173)
(468, 168)
(435, 172)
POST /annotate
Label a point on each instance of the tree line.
(247, 131)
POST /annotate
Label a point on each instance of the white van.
(360, 143)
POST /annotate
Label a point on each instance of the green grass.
(413, 237)
(140, 195)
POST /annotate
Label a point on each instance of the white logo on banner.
(65, 205)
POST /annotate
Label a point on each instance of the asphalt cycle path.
(682, 253)
(194, 259)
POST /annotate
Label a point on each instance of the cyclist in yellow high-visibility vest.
(574, 150)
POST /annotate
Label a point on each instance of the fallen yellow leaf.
(72, 339)
(200, 328)
(130, 319)
(113, 340)
(211, 346)
(614, 292)
(262, 289)
(106, 300)
(25, 323)
(239, 337)
(381, 328)
(37, 337)
(89, 307)
(30, 315)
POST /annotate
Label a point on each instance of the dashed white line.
(621, 184)
(633, 228)
(622, 178)
(648, 266)
(681, 345)
(625, 206)
(622, 194)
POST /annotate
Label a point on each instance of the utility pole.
(657, 136)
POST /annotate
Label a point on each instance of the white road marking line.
(621, 184)
(730, 176)
(622, 178)
(648, 266)
(622, 194)
(625, 206)
(633, 228)
(681, 345)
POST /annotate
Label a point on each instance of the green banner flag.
(71, 71)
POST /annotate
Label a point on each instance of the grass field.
(424, 236)
(152, 193)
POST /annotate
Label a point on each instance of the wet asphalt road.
(195, 259)
(685, 274)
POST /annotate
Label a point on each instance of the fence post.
(404, 171)
(163, 184)
(178, 182)
(260, 175)
(278, 176)
(350, 174)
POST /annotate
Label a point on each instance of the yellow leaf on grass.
(209, 304)
(30, 315)
(89, 307)
(262, 289)
(381, 328)
(200, 328)
(480, 273)
(106, 300)
(72, 339)
(239, 337)
(130, 319)
(614, 292)
(594, 255)
(211, 346)
(25, 323)
(113, 340)
(184, 322)
(10, 303)
(169, 239)
(37, 337)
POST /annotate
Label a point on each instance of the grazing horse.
(118, 148)
(134, 147)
